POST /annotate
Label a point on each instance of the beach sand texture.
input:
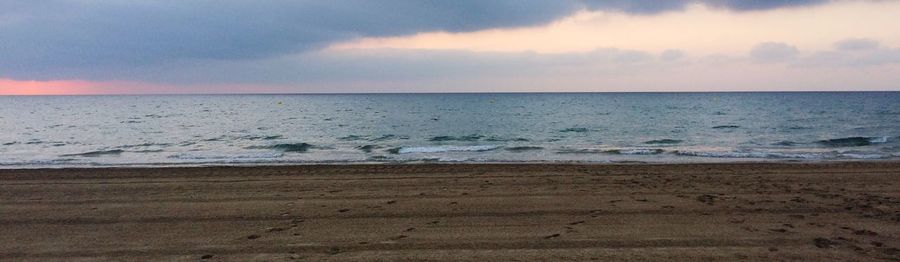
(481, 212)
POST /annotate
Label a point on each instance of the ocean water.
(88, 131)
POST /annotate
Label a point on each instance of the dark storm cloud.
(77, 33)
(39, 38)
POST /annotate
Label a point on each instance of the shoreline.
(414, 163)
(475, 212)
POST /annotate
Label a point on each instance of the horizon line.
(450, 93)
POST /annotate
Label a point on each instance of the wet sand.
(547, 212)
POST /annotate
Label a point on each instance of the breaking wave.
(663, 141)
(441, 149)
(227, 157)
(292, 147)
(98, 153)
(636, 151)
(523, 148)
(738, 154)
(853, 141)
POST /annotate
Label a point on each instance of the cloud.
(656, 6)
(608, 69)
(39, 38)
(859, 58)
(42, 34)
(755, 5)
(372, 65)
(671, 55)
(773, 52)
(636, 6)
(856, 44)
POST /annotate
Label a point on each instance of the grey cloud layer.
(773, 51)
(41, 38)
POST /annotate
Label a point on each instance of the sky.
(363, 46)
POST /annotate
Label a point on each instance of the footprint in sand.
(334, 251)
(822, 242)
(398, 237)
(779, 230)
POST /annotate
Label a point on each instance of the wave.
(442, 149)
(503, 139)
(371, 138)
(148, 151)
(738, 154)
(636, 151)
(238, 156)
(523, 148)
(379, 158)
(388, 137)
(368, 148)
(469, 138)
(726, 127)
(395, 150)
(352, 138)
(663, 141)
(244, 137)
(581, 151)
(784, 143)
(574, 130)
(863, 156)
(879, 140)
(98, 153)
(146, 145)
(853, 141)
(38, 162)
(292, 147)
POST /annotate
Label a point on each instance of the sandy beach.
(479, 212)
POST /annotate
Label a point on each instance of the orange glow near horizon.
(11, 87)
(56, 87)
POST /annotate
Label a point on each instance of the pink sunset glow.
(82, 87)
(32, 87)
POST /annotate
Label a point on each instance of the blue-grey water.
(78, 131)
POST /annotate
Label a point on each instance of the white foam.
(878, 140)
(640, 151)
(733, 154)
(37, 162)
(236, 156)
(442, 149)
(863, 156)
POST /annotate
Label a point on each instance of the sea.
(202, 130)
